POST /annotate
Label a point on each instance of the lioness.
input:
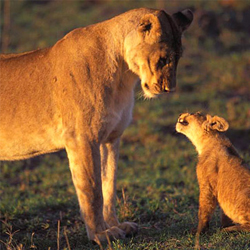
(78, 95)
(223, 176)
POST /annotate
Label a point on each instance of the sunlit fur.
(223, 176)
(78, 95)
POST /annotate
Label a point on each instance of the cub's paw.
(236, 228)
(111, 234)
(130, 228)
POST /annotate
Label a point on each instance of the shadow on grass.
(240, 138)
(46, 226)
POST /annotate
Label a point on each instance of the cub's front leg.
(84, 159)
(109, 159)
(207, 205)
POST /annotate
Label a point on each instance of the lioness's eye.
(163, 61)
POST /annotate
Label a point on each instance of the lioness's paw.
(110, 234)
(130, 228)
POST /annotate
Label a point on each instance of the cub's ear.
(215, 123)
(183, 19)
(150, 28)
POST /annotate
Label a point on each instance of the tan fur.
(223, 176)
(79, 95)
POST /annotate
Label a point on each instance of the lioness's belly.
(17, 149)
(17, 142)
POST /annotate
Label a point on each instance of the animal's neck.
(217, 143)
(205, 143)
(117, 29)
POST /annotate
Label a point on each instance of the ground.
(157, 186)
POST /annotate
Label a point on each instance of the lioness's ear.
(150, 28)
(183, 19)
(215, 123)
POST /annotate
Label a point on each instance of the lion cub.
(222, 175)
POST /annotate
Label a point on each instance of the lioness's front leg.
(109, 159)
(84, 159)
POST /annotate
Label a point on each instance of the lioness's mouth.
(155, 90)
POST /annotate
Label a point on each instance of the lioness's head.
(197, 127)
(154, 49)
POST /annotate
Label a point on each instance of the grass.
(157, 186)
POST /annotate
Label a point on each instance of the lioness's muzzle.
(169, 86)
(165, 85)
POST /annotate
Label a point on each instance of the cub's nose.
(180, 119)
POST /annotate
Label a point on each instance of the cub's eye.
(183, 121)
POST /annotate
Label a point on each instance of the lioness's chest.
(119, 118)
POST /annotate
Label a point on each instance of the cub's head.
(153, 50)
(197, 127)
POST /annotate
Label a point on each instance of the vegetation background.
(157, 186)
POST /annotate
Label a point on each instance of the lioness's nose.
(166, 89)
